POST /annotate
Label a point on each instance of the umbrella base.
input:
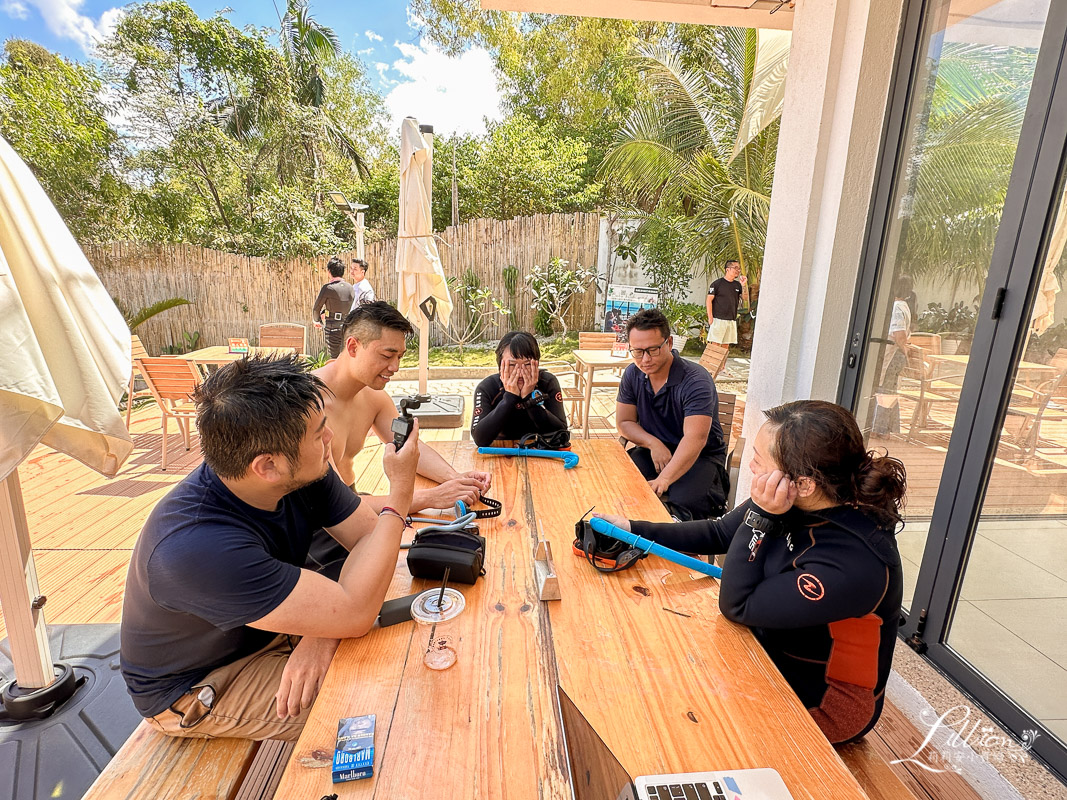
(443, 411)
(25, 704)
(67, 750)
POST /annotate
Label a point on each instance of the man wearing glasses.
(669, 409)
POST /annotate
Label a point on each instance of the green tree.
(526, 168)
(52, 115)
(672, 157)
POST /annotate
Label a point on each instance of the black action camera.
(403, 424)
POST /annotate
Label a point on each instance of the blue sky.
(454, 94)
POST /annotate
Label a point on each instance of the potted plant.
(687, 320)
(955, 325)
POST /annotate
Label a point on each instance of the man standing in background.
(724, 298)
(334, 300)
(364, 293)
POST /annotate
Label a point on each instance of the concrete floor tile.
(995, 573)
(1042, 541)
(1037, 621)
(1034, 681)
(1058, 728)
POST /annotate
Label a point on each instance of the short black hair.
(726, 266)
(366, 321)
(362, 263)
(255, 406)
(520, 344)
(648, 320)
(335, 267)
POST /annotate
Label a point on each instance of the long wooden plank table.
(645, 654)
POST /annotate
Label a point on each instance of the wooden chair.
(1033, 405)
(920, 384)
(928, 342)
(284, 334)
(595, 340)
(714, 358)
(172, 382)
(572, 394)
(137, 351)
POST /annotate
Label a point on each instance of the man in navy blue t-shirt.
(669, 408)
(223, 633)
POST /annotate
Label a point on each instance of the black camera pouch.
(463, 553)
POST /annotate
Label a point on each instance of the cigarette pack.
(353, 757)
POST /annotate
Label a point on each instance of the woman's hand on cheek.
(774, 492)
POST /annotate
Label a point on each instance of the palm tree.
(673, 157)
(956, 176)
(292, 127)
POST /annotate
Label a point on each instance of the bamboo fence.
(232, 295)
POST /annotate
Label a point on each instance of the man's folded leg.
(236, 701)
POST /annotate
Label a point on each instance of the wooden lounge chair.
(137, 351)
(172, 382)
(284, 334)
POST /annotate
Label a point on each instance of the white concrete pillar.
(837, 91)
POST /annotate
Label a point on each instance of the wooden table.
(220, 354)
(645, 654)
(586, 362)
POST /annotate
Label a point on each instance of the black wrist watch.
(768, 525)
(538, 397)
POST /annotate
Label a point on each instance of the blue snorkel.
(604, 527)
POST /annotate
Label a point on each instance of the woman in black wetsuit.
(811, 560)
(521, 398)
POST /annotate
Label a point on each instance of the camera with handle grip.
(403, 424)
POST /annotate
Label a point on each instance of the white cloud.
(373, 36)
(366, 52)
(15, 9)
(452, 94)
(64, 19)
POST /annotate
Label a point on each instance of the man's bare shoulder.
(378, 399)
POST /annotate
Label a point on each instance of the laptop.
(597, 775)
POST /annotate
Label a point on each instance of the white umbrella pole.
(424, 324)
(360, 249)
(18, 584)
(424, 353)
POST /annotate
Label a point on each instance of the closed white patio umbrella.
(420, 276)
(64, 364)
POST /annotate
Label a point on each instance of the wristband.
(762, 524)
(393, 512)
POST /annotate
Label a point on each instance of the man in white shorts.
(724, 298)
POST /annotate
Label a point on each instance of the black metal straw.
(440, 600)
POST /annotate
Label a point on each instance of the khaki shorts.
(236, 700)
(723, 331)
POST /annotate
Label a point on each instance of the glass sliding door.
(1009, 615)
(962, 123)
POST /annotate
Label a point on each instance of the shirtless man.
(374, 336)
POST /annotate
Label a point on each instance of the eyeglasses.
(640, 352)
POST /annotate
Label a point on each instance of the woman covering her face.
(811, 560)
(521, 398)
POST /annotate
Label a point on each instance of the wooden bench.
(151, 766)
(893, 738)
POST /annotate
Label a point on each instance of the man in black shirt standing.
(724, 298)
(521, 398)
(335, 300)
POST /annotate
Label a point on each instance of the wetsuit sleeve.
(490, 412)
(706, 536)
(834, 579)
(551, 417)
(316, 307)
